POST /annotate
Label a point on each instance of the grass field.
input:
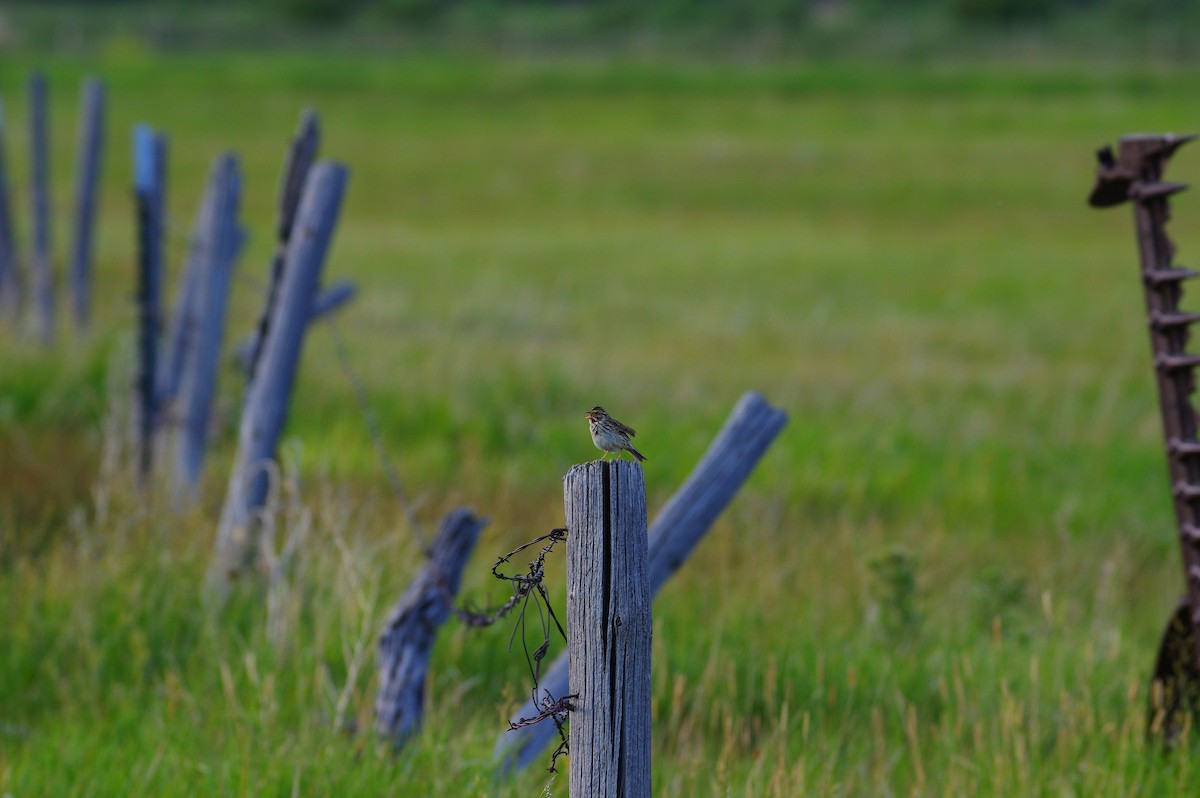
(947, 577)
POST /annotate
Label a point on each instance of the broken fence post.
(43, 266)
(87, 176)
(608, 629)
(149, 159)
(407, 639)
(10, 274)
(217, 262)
(267, 399)
(716, 479)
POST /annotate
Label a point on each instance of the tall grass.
(947, 577)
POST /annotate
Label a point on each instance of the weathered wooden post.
(10, 274)
(608, 628)
(743, 440)
(267, 399)
(181, 337)
(43, 266)
(91, 144)
(149, 161)
(407, 639)
(301, 154)
(224, 240)
(327, 302)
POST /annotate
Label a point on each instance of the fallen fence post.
(267, 399)
(43, 267)
(743, 440)
(608, 629)
(217, 263)
(10, 273)
(91, 144)
(149, 159)
(408, 635)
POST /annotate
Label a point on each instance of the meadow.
(947, 577)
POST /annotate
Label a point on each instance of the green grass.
(901, 257)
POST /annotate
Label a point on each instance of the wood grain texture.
(608, 628)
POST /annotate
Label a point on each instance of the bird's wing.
(625, 429)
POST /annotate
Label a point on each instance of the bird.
(611, 435)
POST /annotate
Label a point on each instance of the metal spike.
(1175, 275)
(1162, 321)
(1148, 191)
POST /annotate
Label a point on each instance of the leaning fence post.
(43, 267)
(91, 143)
(149, 159)
(224, 239)
(608, 628)
(267, 400)
(10, 275)
(407, 639)
(743, 440)
(301, 154)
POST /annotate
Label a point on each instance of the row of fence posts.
(615, 564)
(28, 286)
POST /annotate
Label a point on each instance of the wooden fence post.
(149, 159)
(87, 176)
(43, 266)
(10, 273)
(407, 639)
(608, 628)
(328, 301)
(301, 154)
(743, 440)
(181, 338)
(267, 399)
(224, 239)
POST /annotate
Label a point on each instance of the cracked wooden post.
(743, 440)
(608, 628)
(407, 639)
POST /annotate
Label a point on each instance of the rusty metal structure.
(1135, 174)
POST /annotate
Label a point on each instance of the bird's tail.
(637, 455)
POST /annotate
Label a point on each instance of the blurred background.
(948, 575)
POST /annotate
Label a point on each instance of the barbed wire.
(526, 587)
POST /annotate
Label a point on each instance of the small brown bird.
(611, 435)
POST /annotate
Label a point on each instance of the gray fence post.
(149, 160)
(743, 440)
(407, 639)
(10, 273)
(267, 399)
(181, 337)
(87, 177)
(224, 239)
(327, 302)
(43, 266)
(608, 629)
(301, 155)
